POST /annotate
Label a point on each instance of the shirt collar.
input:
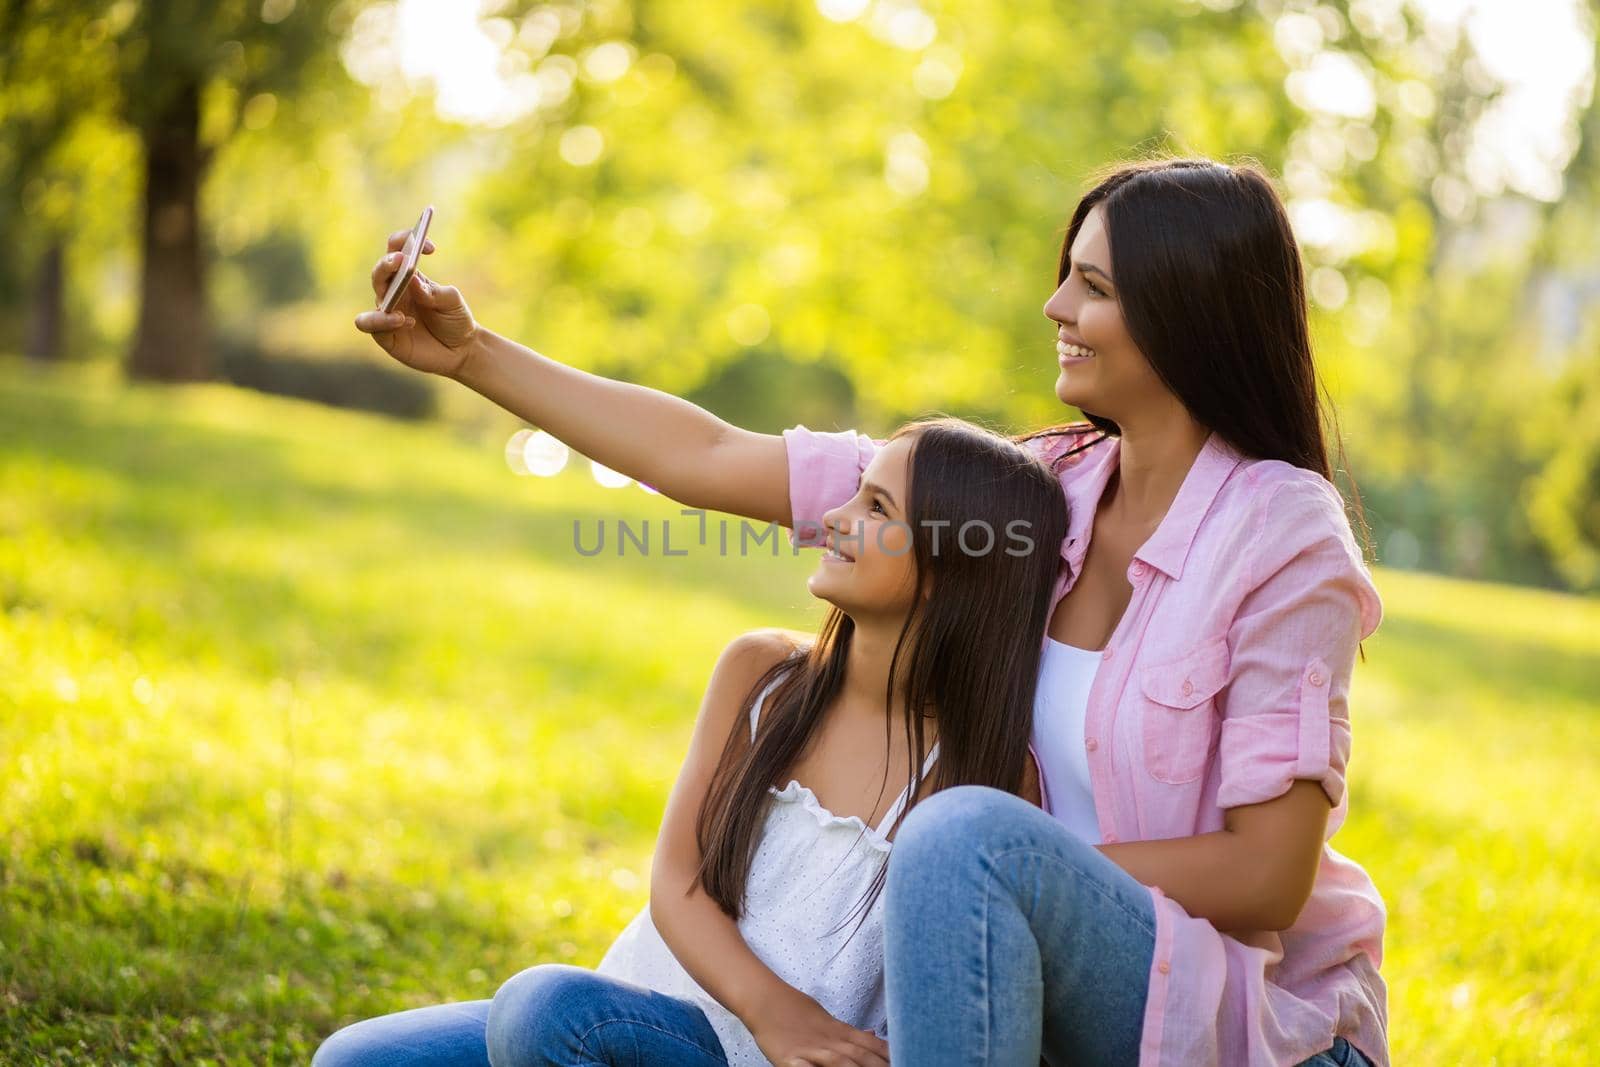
(1083, 500)
(1168, 546)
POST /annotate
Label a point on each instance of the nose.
(839, 520)
(1059, 308)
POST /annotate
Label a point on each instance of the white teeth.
(828, 553)
(1076, 351)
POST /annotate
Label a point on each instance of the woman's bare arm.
(1254, 874)
(1030, 782)
(706, 942)
(660, 439)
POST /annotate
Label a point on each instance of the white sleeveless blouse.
(1060, 704)
(810, 870)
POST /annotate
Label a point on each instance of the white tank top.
(1059, 706)
(810, 870)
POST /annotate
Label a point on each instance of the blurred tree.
(884, 192)
(1563, 496)
(181, 74)
(1423, 258)
(47, 87)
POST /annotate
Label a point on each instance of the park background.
(310, 710)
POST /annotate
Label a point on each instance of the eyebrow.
(1085, 268)
(876, 488)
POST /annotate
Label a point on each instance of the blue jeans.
(548, 1015)
(1008, 937)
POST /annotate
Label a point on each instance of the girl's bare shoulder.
(743, 664)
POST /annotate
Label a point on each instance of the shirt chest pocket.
(1180, 713)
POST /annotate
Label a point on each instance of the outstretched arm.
(683, 450)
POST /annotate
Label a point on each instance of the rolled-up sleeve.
(1292, 647)
(824, 468)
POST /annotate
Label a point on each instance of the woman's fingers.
(382, 324)
(390, 262)
(434, 294)
(397, 241)
(383, 270)
(874, 1048)
(870, 1041)
(378, 321)
(842, 1056)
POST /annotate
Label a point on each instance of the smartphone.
(408, 261)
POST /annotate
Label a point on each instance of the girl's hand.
(431, 328)
(796, 1031)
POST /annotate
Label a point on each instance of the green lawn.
(307, 716)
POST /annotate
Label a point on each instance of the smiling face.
(1102, 371)
(869, 568)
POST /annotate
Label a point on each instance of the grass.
(307, 716)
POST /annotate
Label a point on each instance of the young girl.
(762, 941)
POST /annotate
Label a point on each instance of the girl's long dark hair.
(1212, 290)
(970, 650)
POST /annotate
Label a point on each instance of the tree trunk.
(173, 342)
(45, 317)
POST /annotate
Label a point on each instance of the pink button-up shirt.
(1224, 681)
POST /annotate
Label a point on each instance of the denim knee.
(538, 1014)
(369, 1043)
(345, 1047)
(941, 833)
(963, 815)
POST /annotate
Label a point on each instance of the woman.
(1181, 906)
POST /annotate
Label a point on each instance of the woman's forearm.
(1204, 873)
(709, 946)
(674, 446)
(622, 425)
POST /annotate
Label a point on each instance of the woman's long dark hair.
(971, 649)
(1211, 287)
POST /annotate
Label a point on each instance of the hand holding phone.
(408, 264)
(436, 331)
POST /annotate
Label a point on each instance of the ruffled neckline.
(795, 790)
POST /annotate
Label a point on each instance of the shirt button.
(1315, 678)
(1164, 967)
(1137, 570)
(1091, 744)
(1107, 653)
(1110, 838)
(1188, 687)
